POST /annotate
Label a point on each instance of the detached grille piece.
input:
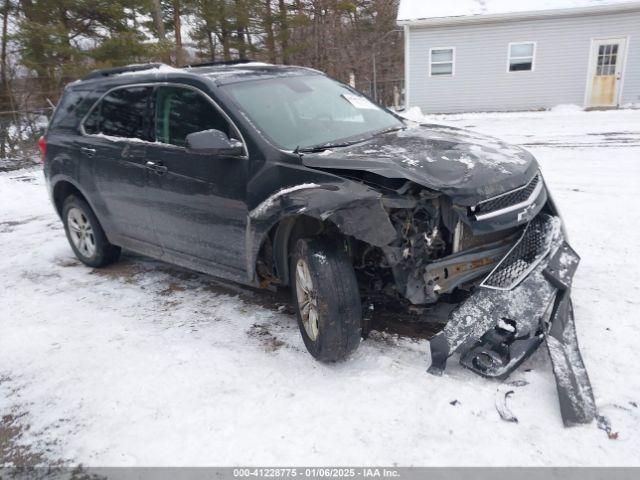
(509, 199)
(465, 239)
(532, 247)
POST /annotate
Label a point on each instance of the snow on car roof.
(421, 9)
(248, 71)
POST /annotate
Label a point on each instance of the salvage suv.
(280, 176)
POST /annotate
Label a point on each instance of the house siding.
(481, 81)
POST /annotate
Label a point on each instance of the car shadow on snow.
(388, 326)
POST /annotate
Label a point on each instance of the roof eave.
(530, 15)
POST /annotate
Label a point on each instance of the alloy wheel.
(307, 302)
(81, 232)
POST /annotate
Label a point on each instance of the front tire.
(326, 299)
(85, 235)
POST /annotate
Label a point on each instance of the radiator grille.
(530, 249)
(508, 199)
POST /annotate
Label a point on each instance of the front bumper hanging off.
(524, 301)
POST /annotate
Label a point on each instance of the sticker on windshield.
(359, 102)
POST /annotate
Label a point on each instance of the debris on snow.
(605, 424)
(502, 408)
(518, 383)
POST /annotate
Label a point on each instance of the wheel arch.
(347, 210)
(287, 232)
(62, 190)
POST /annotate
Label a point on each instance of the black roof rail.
(136, 67)
(238, 61)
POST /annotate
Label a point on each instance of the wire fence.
(19, 133)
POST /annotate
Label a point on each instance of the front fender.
(354, 208)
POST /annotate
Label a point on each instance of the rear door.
(199, 200)
(117, 131)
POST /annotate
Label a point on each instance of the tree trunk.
(177, 29)
(3, 51)
(284, 31)
(212, 45)
(157, 16)
(4, 78)
(225, 34)
(241, 27)
(268, 25)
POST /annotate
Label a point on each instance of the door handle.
(89, 152)
(159, 168)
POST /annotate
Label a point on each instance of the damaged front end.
(522, 302)
(504, 269)
(478, 247)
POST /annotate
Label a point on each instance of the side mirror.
(213, 142)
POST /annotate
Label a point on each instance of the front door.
(606, 72)
(200, 210)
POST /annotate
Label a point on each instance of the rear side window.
(122, 113)
(181, 111)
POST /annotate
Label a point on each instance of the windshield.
(310, 111)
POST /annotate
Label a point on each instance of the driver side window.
(181, 111)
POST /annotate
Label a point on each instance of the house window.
(607, 60)
(442, 61)
(521, 56)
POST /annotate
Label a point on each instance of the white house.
(493, 55)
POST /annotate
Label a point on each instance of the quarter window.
(521, 56)
(180, 111)
(122, 113)
(441, 61)
(66, 113)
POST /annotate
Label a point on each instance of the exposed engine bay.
(436, 255)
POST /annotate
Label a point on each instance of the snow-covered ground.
(146, 364)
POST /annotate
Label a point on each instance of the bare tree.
(177, 29)
(159, 20)
(268, 26)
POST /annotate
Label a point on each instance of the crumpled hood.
(463, 165)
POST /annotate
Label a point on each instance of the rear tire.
(86, 237)
(326, 299)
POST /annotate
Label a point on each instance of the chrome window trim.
(162, 84)
(529, 201)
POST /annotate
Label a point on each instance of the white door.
(605, 76)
